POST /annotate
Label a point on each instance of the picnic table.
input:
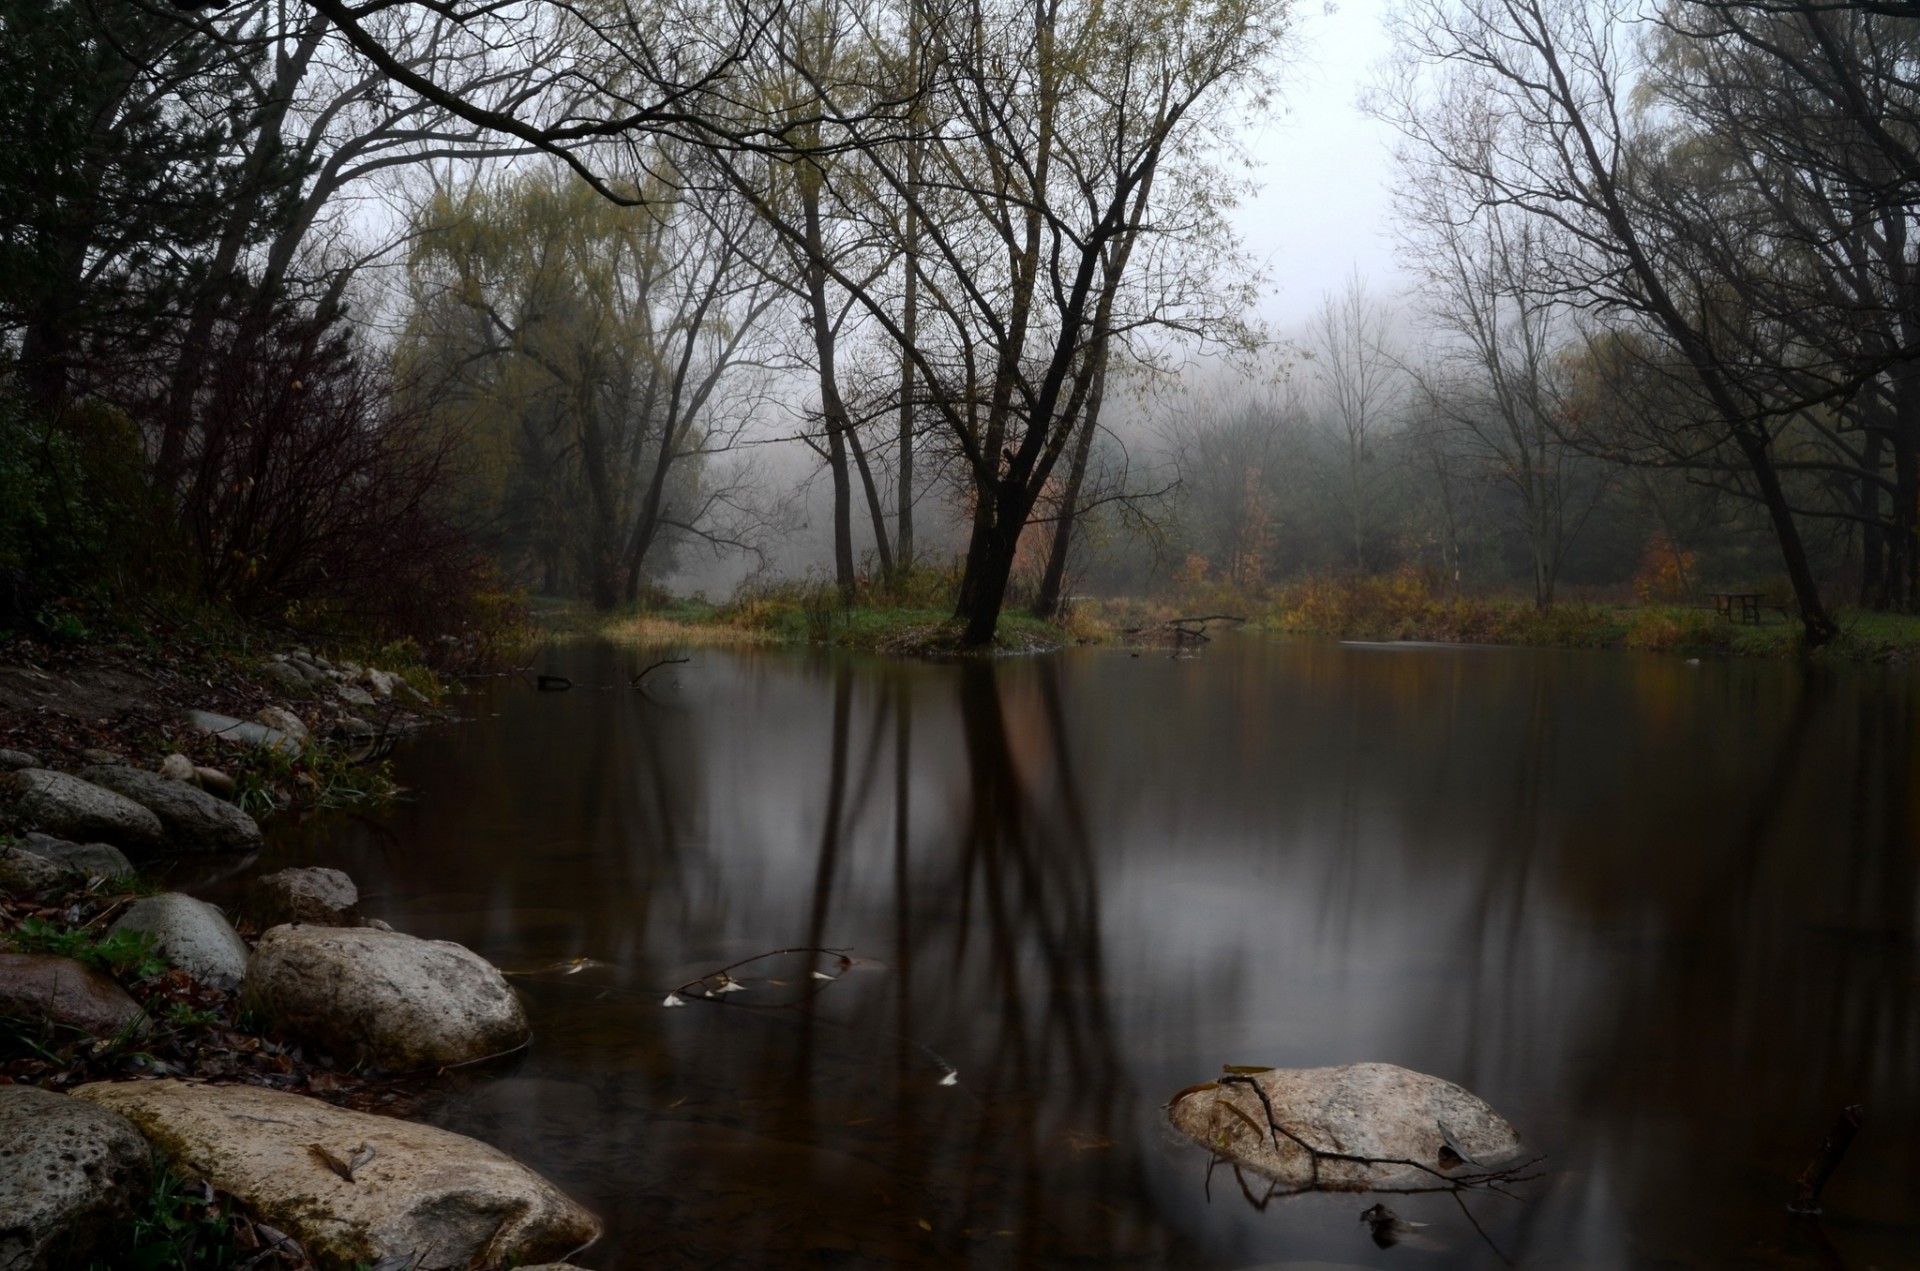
(1738, 606)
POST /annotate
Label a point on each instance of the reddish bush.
(311, 496)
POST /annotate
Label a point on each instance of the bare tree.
(1494, 377)
(1530, 102)
(1360, 384)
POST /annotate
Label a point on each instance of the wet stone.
(40, 990)
(75, 809)
(193, 935)
(71, 1174)
(194, 820)
(101, 860)
(321, 897)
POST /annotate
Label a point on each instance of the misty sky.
(1323, 207)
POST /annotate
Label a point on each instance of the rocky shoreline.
(262, 1061)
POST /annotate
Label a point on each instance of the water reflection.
(1663, 918)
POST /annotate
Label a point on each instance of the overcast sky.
(1324, 203)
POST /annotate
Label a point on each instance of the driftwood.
(1813, 1179)
(1189, 630)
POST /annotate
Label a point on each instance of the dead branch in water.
(635, 681)
(1189, 630)
(1813, 1179)
(713, 986)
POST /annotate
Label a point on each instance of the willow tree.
(583, 344)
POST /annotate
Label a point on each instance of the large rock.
(194, 936)
(14, 760)
(244, 731)
(24, 873)
(383, 998)
(450, 1200)
(102, 860)
(194, 820)
(71, 1173)
(80, 810)
(1407, 1129)
(321, 897)
(284, 674)
(40, 989)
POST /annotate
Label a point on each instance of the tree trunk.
(874, 510)
(1817, 627)
(833, 411)
(1047, 604)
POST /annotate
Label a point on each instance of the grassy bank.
(913, 618)
(1403, 608)
(1388, 608)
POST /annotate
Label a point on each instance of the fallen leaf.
(925, 1225)
(951, 1079)
(331, 1161)
(673, 999)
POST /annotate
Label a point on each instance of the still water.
(1663, 918)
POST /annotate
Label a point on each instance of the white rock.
(1388, 1115)
(286, 721)
(177, 767)
(246, 731)
(71, 1173)
(384, 998)
(75, 809)
(195, 936)
(424, 1191)
(354, 695)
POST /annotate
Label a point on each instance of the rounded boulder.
(194, 820)
(1360, 1127)
(384, 998)
(322, 897)
(80, 810)
(194, 936)
(355, 1189)
(71, 1173)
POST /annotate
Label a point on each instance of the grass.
(1388, 608)
(911, 617)
(121, 954)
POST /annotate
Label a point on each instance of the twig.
(635, 681)
(1497, 1252)
(1813, 1179)
(725, 977)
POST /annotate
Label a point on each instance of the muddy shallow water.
(1663, 918)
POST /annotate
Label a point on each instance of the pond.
(1661, 916)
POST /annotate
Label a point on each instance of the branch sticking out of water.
(635, 681)
(715, 985)
(1813, 1179)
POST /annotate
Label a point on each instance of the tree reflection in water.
(1662, 918)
